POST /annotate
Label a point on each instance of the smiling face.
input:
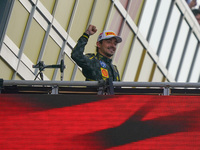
(107, 47)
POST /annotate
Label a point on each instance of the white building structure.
(161, 38)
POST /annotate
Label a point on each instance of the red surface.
(118, 122)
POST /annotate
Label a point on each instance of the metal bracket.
(110, 88)
(54, 90)
(106, 87)
(166, 91)
(101, 89)
(1, 85)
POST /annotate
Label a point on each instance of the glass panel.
(7, 72)
(188, 59)
(99, 20)
(49, 4)
(135, 9)
(18, 77)
(169, 37)
(50, 56)
(196, 70)
(147, 17)
(81, 18)
(123, 49)
(178, 49)
(115, 21)
(17, 23)
(79, 76)
(34, 41)
(124, 3)
(165, 80)
(100, 14)
(146, 69)
(63, 12)
(158, 76)
(159, 24)
(134, 61)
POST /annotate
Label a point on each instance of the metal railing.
(95, 83)
(166, 87)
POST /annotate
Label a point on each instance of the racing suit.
(94, 67)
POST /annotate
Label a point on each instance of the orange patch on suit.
(104, 72)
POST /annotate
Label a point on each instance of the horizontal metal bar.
(51, 83)
(95, 83)
(156, 84)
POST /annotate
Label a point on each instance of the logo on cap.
(110, 33)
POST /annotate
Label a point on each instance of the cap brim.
(119, 39)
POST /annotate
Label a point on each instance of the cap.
(195, 12)
(107, 34)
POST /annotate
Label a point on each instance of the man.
(97, 66)
(196, 13)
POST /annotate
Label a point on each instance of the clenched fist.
(91, 30)
(193, 3)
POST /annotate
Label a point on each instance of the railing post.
(54, 90)
(110, 88)
(101, 88)
(166, 91)
(1, 85)
(106, 87)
